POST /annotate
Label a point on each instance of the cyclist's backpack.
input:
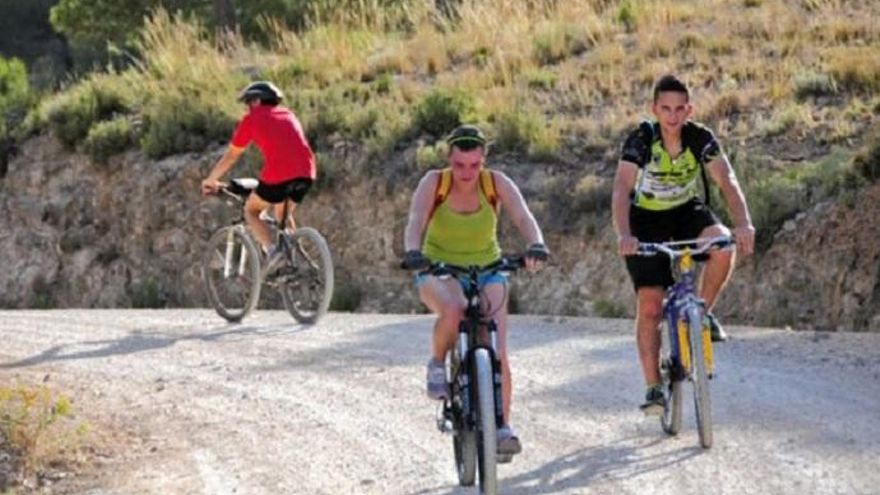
(646, 127)
(487, 184)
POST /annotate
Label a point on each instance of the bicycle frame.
(681, 299)
(469, 342)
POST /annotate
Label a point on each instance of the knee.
(451, 312)
(651, 310)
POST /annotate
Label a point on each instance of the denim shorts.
(483, 280)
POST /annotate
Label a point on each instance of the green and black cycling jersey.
(665, 182)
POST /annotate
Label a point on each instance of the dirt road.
(197, 406)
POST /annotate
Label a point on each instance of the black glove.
(414, 260)
(538, 251)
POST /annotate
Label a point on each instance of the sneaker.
(438, 389)
(655, 402)
(508, 442)
(718, 333)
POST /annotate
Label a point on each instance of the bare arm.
(212, 183)
(512, 201)
(226, 162)
(723, 175)
(624, 183)
(419, 210)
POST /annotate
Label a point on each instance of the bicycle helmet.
(466, 137)
(265, 91)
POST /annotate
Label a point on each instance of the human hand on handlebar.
(414, 260)
(627, 245)
(535, 255)
(745, 239)
(211, 186)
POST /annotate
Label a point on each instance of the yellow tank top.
(463, 239)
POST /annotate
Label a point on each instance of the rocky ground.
(183, 403)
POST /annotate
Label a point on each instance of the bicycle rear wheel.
(307, 287)
(487, 441)
(231, 273)
(702, 400)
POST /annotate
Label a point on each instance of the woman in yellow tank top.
(461, 230)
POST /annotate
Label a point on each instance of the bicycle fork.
(228, 259)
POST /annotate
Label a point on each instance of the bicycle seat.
(242, 186)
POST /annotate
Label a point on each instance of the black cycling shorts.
(677, 224)
(295, 189)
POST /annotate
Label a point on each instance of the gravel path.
(196, 406)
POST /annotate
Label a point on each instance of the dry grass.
(585, 66)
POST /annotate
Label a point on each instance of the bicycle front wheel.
(308, 288)
(231, 273)
(702, 401)
(487, 439)
(464, 440)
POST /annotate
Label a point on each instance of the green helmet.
(466, 137)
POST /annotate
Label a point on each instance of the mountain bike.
(686, 338)
(233, 269)
(474, 409)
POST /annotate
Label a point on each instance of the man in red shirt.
(289, 164)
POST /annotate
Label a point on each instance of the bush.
(867, 163)
(346, 297)
(605, 308)
(108, 138)
(71, 114)
(177, 124)
(442, 110)
(523, 131)
(431, 156)
(36, 428)
(16, 98)
(626, 15)
(812, 84)
(855, 68)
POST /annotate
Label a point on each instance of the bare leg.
(648, 317)
(718, 269)
(279, 213)
(495, 298)
(446, 299)
(252, 209)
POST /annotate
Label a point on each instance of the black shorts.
(677, 224)
(295, 189)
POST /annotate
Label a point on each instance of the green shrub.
(16, 99)
(431, 156)
(605, 308)
(108, 138)
(867, 163)
(523, 131)
(71, 114)
(174, 123)
(441, 110)
(541, 79)
(812, 84)
(36, 428)
(626, 15)
(147, 294)
(346, 297)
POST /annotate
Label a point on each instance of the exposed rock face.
(77, 234)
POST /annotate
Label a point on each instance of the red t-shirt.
(279, 135)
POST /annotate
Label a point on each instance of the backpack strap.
(487, 185)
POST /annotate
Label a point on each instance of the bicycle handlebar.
(507, 263)
(672, 249)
